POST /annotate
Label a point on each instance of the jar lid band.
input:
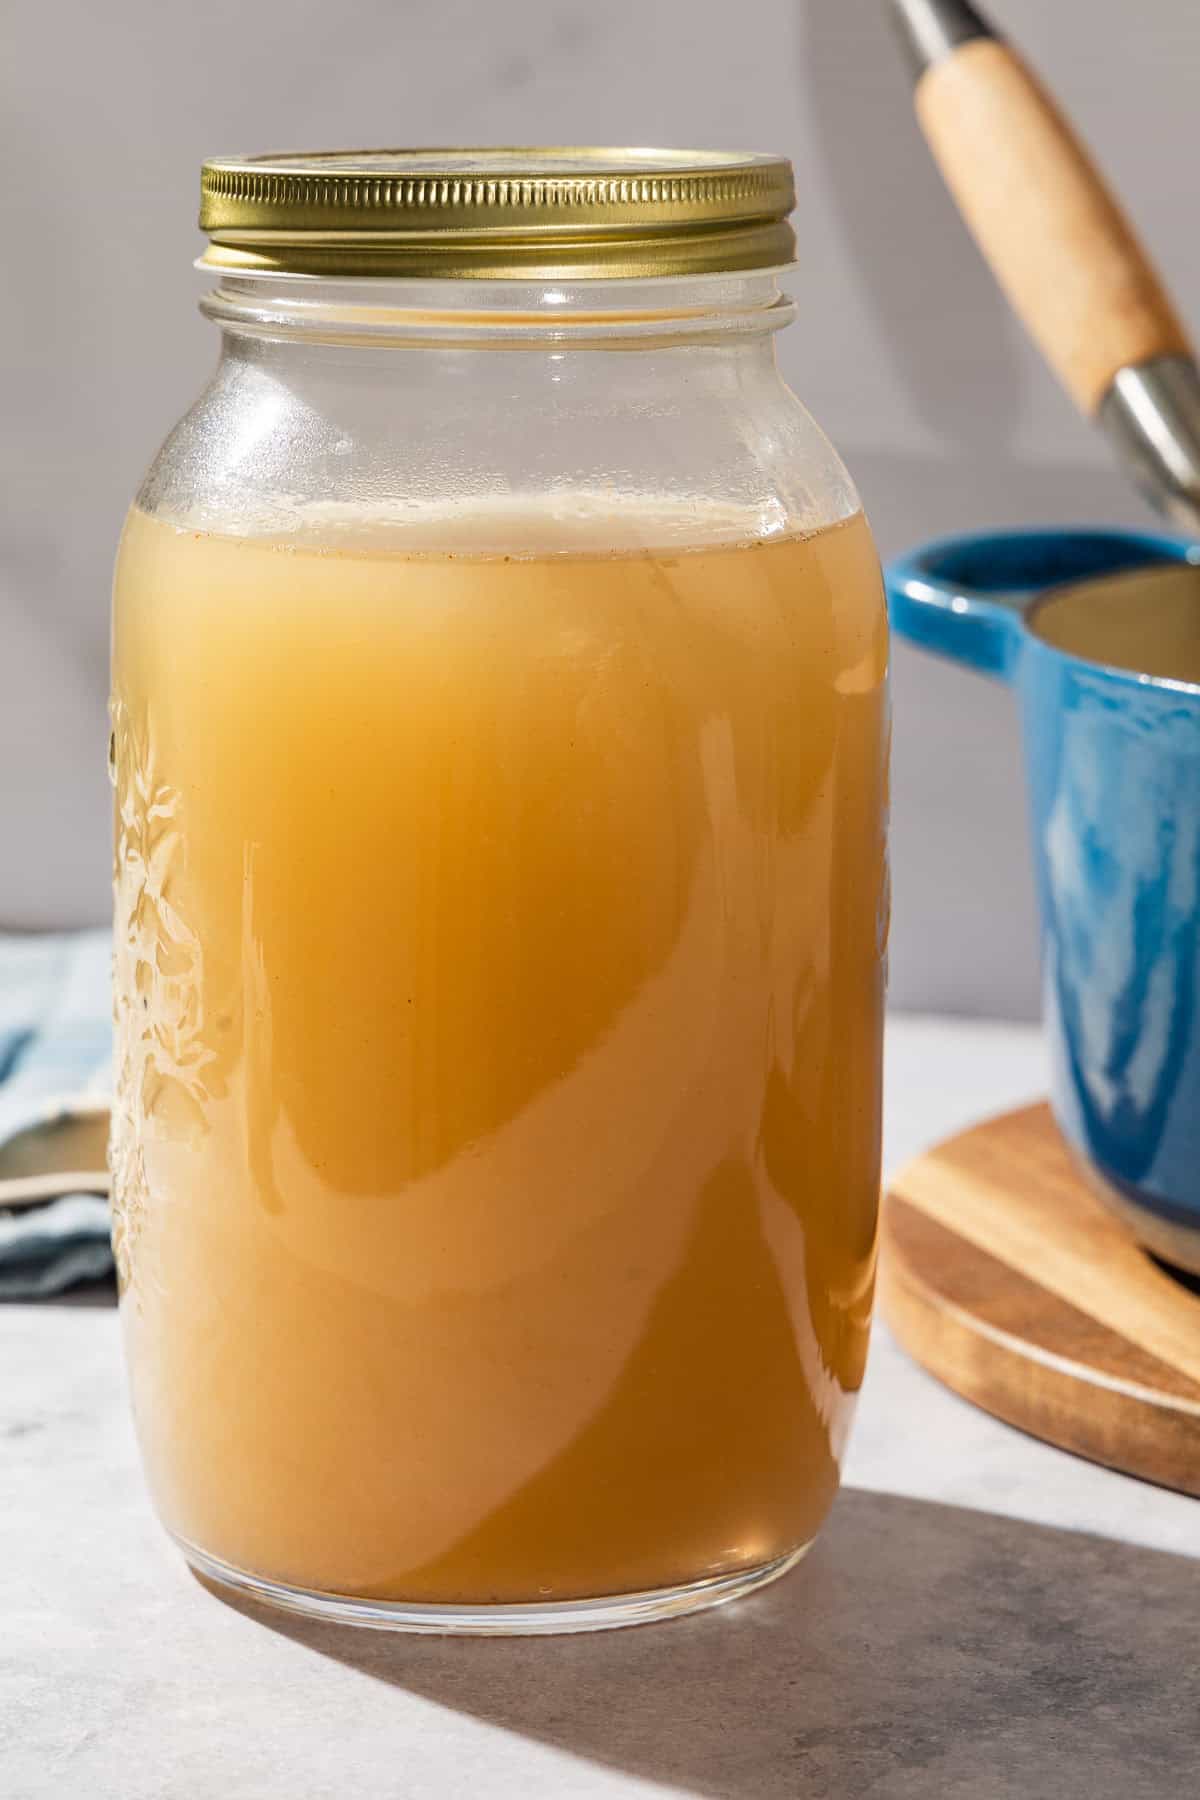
(523, 214)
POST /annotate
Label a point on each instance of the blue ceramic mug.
(1113, 772)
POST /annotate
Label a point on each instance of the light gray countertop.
(983, 1616)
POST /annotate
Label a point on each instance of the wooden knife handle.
(1056, 239)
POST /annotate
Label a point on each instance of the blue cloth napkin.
(55, 1045)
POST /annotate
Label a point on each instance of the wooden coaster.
(1006, 1278)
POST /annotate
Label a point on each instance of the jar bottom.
(530, 1620)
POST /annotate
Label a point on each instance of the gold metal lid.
(506, 213)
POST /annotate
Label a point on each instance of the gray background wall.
(902, 349)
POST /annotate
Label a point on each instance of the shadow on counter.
(920, 1650)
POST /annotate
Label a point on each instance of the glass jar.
(500, 741)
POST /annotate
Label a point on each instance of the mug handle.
(964, 597)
